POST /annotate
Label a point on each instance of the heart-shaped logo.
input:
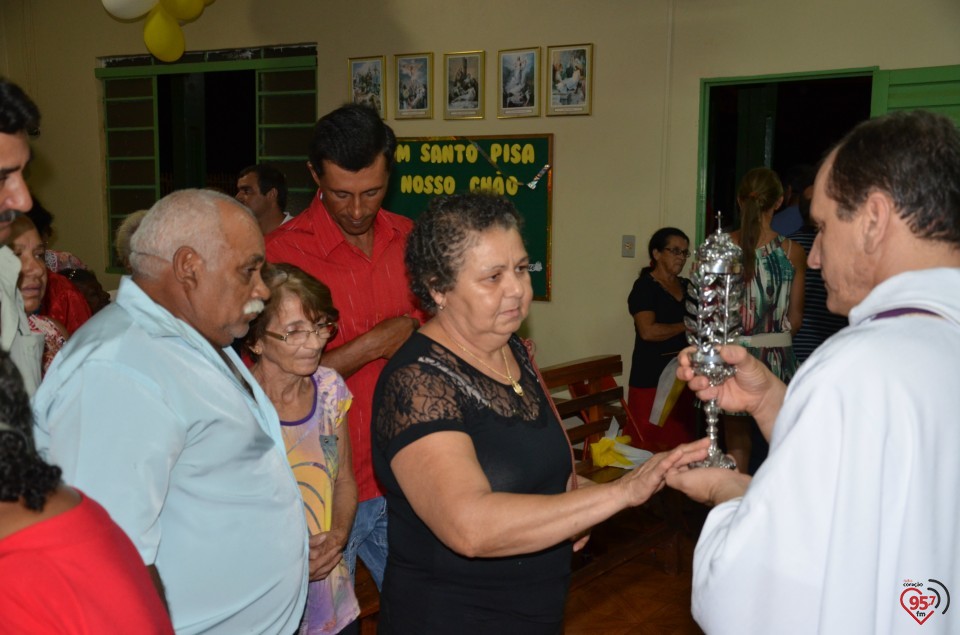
(917, 605)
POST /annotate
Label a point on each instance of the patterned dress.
(313, 454)
(60, 260)
(766, 303)
(53, 339)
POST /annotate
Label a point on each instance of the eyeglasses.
(323, 330)
(676, 251)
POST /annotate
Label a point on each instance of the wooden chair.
(596, 400)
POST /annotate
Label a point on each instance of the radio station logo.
(922, 601)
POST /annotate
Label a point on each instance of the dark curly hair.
(912, 156)
(18, 113)
(42, 219)
(444, 232)
(23, 474)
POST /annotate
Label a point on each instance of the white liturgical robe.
(852, 525)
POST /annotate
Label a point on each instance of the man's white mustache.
(253, 307)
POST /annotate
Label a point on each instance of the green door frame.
(935, 88)
(704, 132)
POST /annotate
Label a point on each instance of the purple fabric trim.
(313, 410)
(902, 311)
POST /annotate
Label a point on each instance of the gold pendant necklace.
(517, 388)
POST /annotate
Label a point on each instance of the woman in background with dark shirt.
(657, 306)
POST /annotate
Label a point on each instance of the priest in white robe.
(852, 525)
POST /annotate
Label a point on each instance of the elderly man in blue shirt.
(149, 411)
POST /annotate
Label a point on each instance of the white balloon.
(128, 9)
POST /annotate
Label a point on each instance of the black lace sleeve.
(425, 388)
(413, 395)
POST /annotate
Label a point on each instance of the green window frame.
(286, 109)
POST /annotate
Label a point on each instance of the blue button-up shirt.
(144, 415)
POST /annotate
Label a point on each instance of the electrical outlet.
(628, 246)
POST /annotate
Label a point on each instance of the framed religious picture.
(463, 85)
(518, 81)
(367, 85)
(569, 72)
(414, 87)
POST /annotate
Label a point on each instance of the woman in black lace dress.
(484, 507)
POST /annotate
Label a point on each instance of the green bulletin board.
(516, 166)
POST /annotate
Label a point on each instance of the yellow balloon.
(163, 36)
(185, 10)
(208, 2)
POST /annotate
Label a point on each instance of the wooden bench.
(368, 598)
(596, 400)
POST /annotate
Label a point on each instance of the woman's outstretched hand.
(645, 481)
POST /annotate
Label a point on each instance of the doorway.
(207, 124)
(777, 122)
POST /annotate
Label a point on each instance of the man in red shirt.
(346, 240)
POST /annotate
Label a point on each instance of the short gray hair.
(185, 218)
(125, 231)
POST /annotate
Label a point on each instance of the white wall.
(627, 169)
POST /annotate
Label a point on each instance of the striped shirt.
(818, 322)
